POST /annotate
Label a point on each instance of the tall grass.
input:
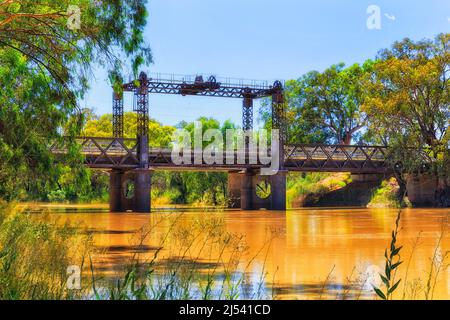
(393, 261)
(35, 254)
(196, 259)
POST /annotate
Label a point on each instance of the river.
(298, 254)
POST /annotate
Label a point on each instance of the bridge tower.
(235, 177)
(130, 189)
(243, 186)
(130, 186)
(117, 115)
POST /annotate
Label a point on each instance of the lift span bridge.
(132, 160)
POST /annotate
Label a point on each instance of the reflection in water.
(303, 254)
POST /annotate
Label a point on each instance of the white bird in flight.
(390, 17)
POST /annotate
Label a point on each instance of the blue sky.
(264, 40)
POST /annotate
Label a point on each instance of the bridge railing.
(102, 151)
(323, 157)
(169, 78)
(105, 152)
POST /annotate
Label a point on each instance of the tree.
(326, 107)
(44, 67)
(159, 135)
(336, 96)
(29, 119)
(65, 38)
(409, 99)
(305, 123)
(207, 187)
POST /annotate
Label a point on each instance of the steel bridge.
(133, 161)
(120, 153)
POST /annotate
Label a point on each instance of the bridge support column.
(421, 190)
(234, 189)
(247, 190)
(115, 191)
(142, 195)
(130, 190)
(118, 115)
(252, 182)
(278, 189)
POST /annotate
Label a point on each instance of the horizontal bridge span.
(120, 153)
(211, 86)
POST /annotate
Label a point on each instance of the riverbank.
(340, 190)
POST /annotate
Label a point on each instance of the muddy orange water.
(303, 254)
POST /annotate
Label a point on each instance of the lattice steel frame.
(247, 113)
(121, 153)
(279, 114)
(117, 115)
(178, 87)
(224, 91)
(142, 106)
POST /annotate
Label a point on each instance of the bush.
(315, 183)
(57, 196)
(386, 196)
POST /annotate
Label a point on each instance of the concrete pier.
(138, 199)
(242, 190)
(234, 189)
(421, 190)
(278, 187)
(115, 191)
(142, 193)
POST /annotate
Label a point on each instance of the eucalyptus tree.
(326, 106)
(48, 51)
(409, 106)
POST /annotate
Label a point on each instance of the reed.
(392, 262)
(35, 254)
(203, 261)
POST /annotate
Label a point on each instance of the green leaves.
(327, 104)
(408, 101)
(391, 290)
(44, 68)
(393, 261)
(14, 7)
(380, 293)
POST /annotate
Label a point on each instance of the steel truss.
(120, 153)
(197, 87)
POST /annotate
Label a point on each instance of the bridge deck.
(111, 153)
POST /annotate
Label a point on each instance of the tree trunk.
(347, 139)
